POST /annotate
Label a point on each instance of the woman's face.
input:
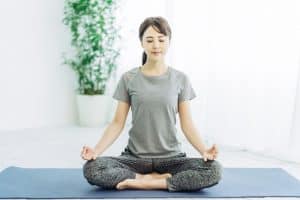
(155, 44)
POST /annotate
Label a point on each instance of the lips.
(155, 52)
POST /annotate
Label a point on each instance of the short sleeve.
(121, 91)
(186, 90)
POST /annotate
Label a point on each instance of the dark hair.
(159, 24)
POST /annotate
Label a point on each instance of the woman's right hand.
(88, 153)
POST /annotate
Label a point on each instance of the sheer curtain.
(243, 60)
(293, 152)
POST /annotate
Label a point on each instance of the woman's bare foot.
(146, 184)
(153, 180)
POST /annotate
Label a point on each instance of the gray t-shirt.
(154, 105)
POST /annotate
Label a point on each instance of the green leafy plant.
(95, 35)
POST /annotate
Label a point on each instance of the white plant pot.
(93, 110)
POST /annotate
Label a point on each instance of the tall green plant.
(95, 35)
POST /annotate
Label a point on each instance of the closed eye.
(152, 41)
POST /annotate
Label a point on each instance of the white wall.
(36, 90)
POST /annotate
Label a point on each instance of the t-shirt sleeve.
(121, 91)
(186, 92)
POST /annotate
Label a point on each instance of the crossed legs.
(175, 174)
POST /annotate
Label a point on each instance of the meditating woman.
(153, 158)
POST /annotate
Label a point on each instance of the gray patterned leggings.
(187, 173)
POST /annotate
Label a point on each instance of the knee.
(216, 170)
(92, 170)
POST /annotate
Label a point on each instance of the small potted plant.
(95, 35)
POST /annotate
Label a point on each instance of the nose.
(155, 44)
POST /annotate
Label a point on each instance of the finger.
(215, 152)
(85, 150)
(87, 157)
(214, 146)
(82, 152)
(216, 149)
(89, 150)
(212, 149)
(211, 156)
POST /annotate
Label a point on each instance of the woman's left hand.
(211, 153)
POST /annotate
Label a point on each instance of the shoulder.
(178, 74)
(130, 74)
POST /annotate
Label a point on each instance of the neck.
(157, 66)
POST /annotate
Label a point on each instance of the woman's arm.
(188, 127)
(192, 134)
(114, 129)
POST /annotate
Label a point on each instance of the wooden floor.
(60, 148)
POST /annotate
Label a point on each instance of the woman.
(153, 158)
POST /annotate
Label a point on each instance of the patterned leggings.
(187, 173)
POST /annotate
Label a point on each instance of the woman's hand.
(211, 153)
(88, 153)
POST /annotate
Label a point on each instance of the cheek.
(165, 48)
(166, 45)
(147, 47)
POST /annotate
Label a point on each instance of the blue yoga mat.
(50, 183)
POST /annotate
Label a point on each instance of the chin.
(158, 58)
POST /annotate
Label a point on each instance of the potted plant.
(94, 34)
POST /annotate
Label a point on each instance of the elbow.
(118, 124)
(184, 129)
(188, 128)
(186, 125)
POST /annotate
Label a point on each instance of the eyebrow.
(158, 36)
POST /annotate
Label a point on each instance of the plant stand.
(93, 110)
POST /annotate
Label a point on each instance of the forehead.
(151, 32)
